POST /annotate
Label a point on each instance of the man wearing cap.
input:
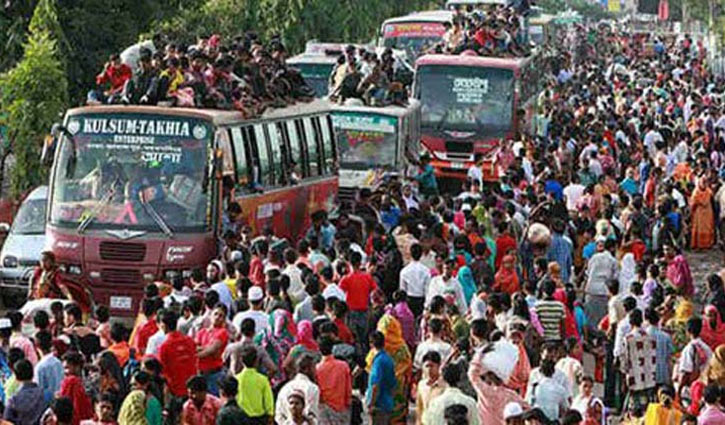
(513, 413)
(255, 296)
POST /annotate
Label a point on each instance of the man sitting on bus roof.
(115, 73)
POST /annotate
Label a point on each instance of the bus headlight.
(75, 269)
(10, 262)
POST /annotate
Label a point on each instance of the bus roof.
(390, 110)
(465, 60)
(216, 116)
(425, 16)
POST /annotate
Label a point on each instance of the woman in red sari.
(713, 328)
(703, 218)
(506, 279)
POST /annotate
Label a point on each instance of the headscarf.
(684, 310)
(589, 417)
(713, 337)
(133, 409)
(715, 370)
(402, 312)
(390, 327)
(468, 283)
(305, 337)
(278, 339)
(628, 273)
(506, 279)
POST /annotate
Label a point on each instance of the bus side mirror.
(48, 152)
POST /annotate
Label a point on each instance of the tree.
(33, 94)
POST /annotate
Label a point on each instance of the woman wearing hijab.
(713, 329)
(278, 340)
(703, 218)
(133, 409)
(507, 280)
(304, 344)
(396, 347)
(519, 378)
(595, 413)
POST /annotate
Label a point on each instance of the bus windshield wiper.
(100, 207)
(157, 218)
(443, 120)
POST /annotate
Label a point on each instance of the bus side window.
(329, 144)
(223, 143)
(265, 166)
(300, 133)
(295, 148)
(312, 147)
(241, 156)
(278, 165)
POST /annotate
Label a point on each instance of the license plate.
(458, 165)
(121, 303)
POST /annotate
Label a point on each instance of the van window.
(312, 147)
(295, 145)
(241, 155)
(265, 168)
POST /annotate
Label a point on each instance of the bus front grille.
(122, 276)
(122, 251)
(458, 147)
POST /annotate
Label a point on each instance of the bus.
(541, 30)
(375, 143)
(415, 32)
(319, 59)
(470, 103)
(137, 194)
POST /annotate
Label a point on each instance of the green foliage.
(14, 19)
(33, 95)
(296, 20)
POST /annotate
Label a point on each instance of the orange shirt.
(335, 381)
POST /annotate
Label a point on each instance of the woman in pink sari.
(678, 271)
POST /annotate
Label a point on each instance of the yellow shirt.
(657, 414)
(255, 394)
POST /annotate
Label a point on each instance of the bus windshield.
(412, 38)
(366, 141)
(466, 99)
(316, 75)
(132, 171)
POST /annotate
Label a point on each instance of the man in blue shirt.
(381, 383)
(561, 250)
(428, 185)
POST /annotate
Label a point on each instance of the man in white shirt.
(414, 280)
(447, 286)
(694, 356)
(547, 394)
(650, 140)
(296, 289)
(155, 341)
(303, 383)
(573, 192)
(255, 296)
(475, 173)
(433, 343)
(549, 352)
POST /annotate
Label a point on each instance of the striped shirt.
(550, 313)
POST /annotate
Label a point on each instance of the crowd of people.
(498, 32)
(470, 308)
(241, 74)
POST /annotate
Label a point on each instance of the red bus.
(470, 103)
(415, 32)
(137, 193)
